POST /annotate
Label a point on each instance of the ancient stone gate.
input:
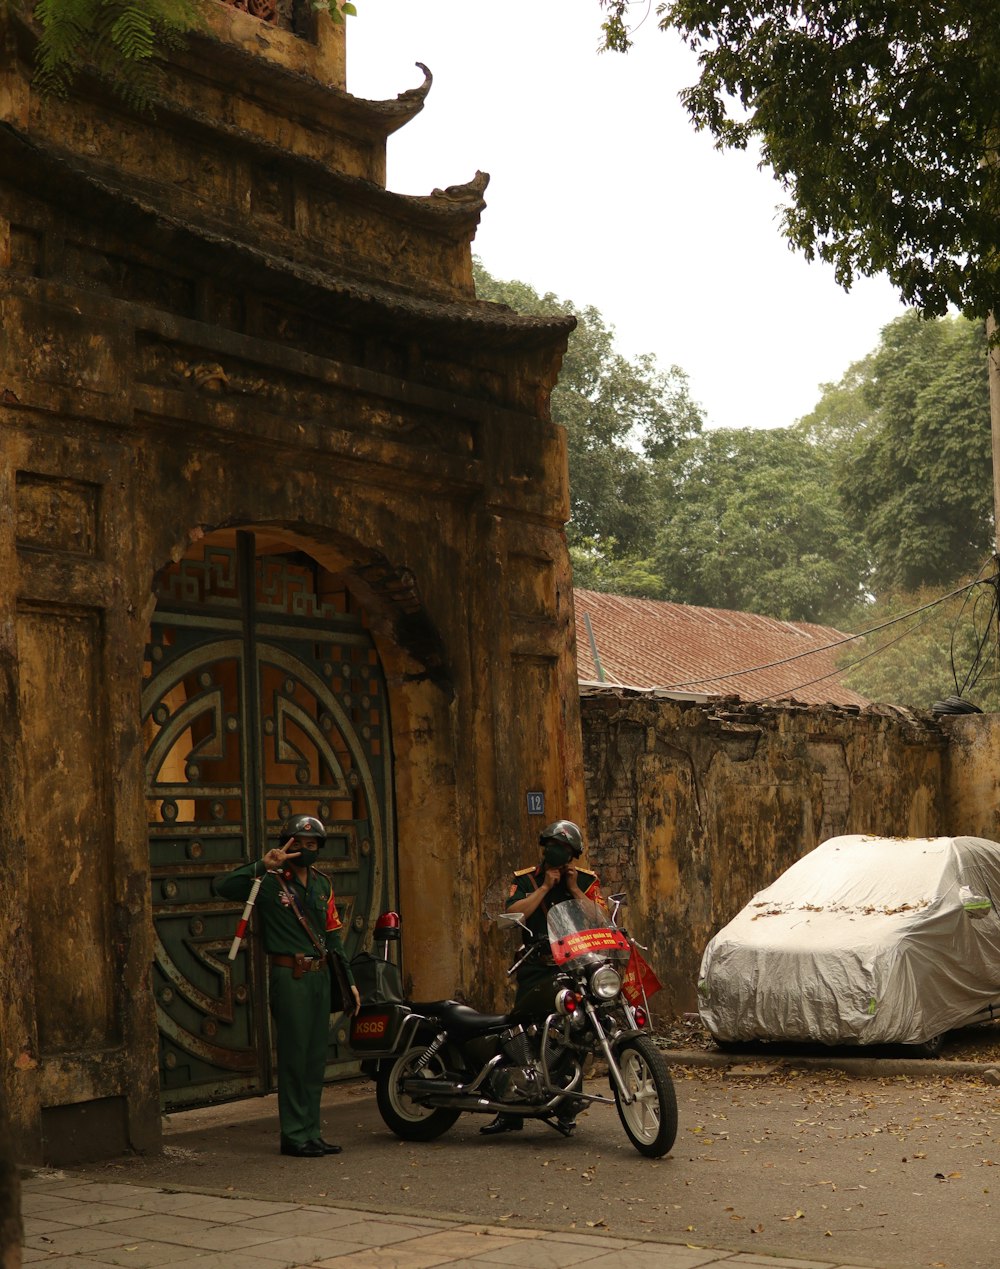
(282, 527)
(263, 697)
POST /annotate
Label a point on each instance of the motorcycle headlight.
(605, 983)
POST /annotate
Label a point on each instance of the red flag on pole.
(639, 980)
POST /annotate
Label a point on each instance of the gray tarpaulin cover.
(866, 940)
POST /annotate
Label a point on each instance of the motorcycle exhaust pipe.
(458, 1101)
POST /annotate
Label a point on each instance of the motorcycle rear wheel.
(651, 1119)
(405, 1117)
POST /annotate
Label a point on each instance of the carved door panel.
(263, 697)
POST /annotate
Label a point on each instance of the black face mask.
(555, 855)
(304, 858)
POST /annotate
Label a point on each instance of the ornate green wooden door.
(263, 697)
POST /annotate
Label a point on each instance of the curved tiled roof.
(685, 649)
(35, 167)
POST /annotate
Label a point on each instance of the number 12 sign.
(536, 803)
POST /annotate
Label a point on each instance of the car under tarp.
(865, 940)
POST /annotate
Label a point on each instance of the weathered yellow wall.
(216, 318)
(693, 808)
(972, 774)
(320, 58)
(11, 1224)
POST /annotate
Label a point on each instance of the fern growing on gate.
(121, 39)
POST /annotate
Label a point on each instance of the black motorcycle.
(434, 1060)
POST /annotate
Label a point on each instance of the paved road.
(819, 1167)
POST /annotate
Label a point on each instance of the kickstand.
(567, 1129)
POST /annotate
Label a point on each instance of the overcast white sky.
(602, 192)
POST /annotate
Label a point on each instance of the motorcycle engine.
(522, 1045)
(516, 1084)
(521, 1081)
(517, 1044)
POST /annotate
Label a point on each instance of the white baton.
(241, 929)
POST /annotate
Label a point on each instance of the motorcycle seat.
(461, 1019)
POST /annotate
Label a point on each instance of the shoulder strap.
(297, 909)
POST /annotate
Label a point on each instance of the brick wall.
(692, 808)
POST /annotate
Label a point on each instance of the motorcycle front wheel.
(650, 1119)
(405, 1117)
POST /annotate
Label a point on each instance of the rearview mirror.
(513, 918)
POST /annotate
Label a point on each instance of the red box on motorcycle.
(375, 1028)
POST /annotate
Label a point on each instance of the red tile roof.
(678, 647)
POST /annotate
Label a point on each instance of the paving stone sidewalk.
(73, 1223)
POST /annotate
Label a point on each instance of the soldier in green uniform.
(300, 925)
(556, 878)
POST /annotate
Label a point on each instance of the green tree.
(597, 567)
(944, 648)
(908, 429)
(750, 520)
(621, 416)
(843, 412)
(881, 121)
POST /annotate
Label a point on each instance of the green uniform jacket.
(278, 924)
(537, 972)
(528, 880)
(300, 1006)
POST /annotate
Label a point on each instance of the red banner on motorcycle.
(639, 980)
(579, 944)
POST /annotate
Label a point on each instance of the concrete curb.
(749, 1064)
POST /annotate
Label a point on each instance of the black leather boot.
(502, 1123)
(302, 1149)
(326, 1147)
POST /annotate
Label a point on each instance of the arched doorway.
(262, 697)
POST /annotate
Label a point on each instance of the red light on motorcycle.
(387, 929)
(566, 1002)
(640, 1016)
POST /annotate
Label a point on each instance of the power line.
(868, 655)
(979, 661)
(992, 583)
(770, 665)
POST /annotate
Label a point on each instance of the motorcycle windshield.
(580, 928)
